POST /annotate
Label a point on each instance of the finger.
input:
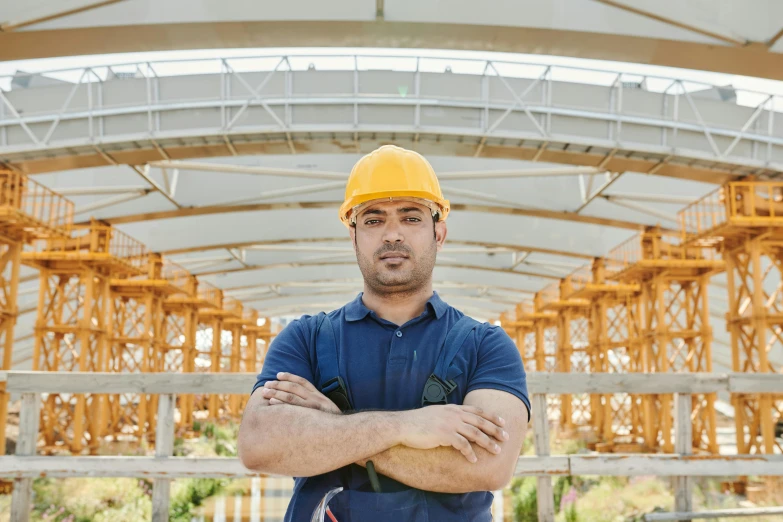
(282, 396)
(462, 445)
(491, 417)
(491, 429)
(289, 387)
(474, 434)
(301, 381)
(275, 401)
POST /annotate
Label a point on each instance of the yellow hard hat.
(391, 172)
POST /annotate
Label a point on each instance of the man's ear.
(440, 234)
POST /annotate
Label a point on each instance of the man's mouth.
(394, 256)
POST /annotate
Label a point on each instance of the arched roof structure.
(736, 36)
(233, 166)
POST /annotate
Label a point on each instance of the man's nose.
(393, 234)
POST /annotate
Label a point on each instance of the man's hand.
(297, 391)
(423, 428)
(453, 425)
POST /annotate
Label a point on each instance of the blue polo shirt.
(385, 367)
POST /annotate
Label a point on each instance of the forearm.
(300, 442)
(442, 470)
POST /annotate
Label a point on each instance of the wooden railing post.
(25, 446)
(164, 447)
(683, 444)
(544, 493)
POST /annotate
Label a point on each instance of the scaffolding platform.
(650, 253)
(31, 211)
(733, 213)
(95, 245)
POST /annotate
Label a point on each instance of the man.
(364, 428)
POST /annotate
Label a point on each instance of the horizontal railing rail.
(164, 467)
(537, 382)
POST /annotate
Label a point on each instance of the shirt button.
(399, 334)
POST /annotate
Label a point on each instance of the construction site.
(170, 177)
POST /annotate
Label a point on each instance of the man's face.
(396, 243)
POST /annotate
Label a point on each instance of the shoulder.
(483, 331)
(305, 327)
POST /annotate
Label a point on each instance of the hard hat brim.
(349, 208)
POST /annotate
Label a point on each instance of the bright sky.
(751, 91)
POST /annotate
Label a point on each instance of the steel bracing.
(28, 212)
(742, 220)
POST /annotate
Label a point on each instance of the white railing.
(514, 99)
(163, 467)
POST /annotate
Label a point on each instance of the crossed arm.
(290, 428)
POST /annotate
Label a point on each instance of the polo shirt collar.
(356, 311)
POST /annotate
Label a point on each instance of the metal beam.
(654, 198)
(289, 241)
(611, 178)
(772, 41)
(746, 60)
(108, 202)
(722, 36)
(641, 208)
(294, 191)
(329, 283)
(228, 168)
(225, 168)
(13, 25)
(144, 173)
(459, 207)
(311, 263)
(90, 191)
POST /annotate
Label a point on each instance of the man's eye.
(413, 219)
(372, 221)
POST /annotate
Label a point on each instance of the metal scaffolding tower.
(138, 339)
(73, 327)
(744, 221)
(677, 335)
(571, 348)
(28, 212)
(614, 337)
(210, 355)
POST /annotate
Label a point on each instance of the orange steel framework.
(28, 212)
(137, 341)
(210, 355)
(571, 349)
(677, 336)
(73, 327)
(179, 324)
(744, 221)
(614, 337)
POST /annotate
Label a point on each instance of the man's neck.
(400, 307)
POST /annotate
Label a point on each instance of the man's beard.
(400, 279)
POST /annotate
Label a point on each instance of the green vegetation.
(127, 499)
(189, 494)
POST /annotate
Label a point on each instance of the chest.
(386, 368)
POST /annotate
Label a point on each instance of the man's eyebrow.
(410, 209)
(374, 211)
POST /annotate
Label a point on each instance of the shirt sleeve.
(499, 366)
(289, 352)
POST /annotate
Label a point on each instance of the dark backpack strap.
(438, 387)
(331, 384)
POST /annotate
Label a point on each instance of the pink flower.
(568, 498)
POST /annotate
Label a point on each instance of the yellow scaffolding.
(744, 221)
(571, 349)
(28, 212)
(138, 339)
(673, 279)
(613, 347)
(73, 325)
